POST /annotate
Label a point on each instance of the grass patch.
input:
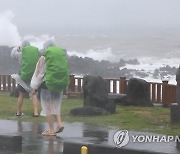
(148, 119)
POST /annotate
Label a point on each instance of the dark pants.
(21, 89)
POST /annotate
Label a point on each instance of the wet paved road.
(34, 143)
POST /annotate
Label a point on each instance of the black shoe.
(58, 130)
(21, 114)
(35, 115)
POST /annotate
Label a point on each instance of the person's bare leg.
(58, 117)
(59, 122)
(50, 120)
(19, 103)
(60, 126)
(35, 104)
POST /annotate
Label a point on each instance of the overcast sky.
(53, 16)
(39, 20)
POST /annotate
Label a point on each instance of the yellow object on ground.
(84, 150)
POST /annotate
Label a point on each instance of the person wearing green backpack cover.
(27, 56)
(51, 76)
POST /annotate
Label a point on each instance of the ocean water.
(152, 52)
(127, 47)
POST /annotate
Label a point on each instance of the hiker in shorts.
(27, 56)
(52, 76)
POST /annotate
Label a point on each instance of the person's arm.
(39, 74)
(16, 54)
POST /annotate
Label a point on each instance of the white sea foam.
(100, 54)
(103, 54)
(147, 64)
(9, 34)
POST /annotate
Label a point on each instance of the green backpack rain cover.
(30, 56)
(57, 73)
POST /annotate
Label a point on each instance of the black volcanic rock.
(83, 66)
(138, 93)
